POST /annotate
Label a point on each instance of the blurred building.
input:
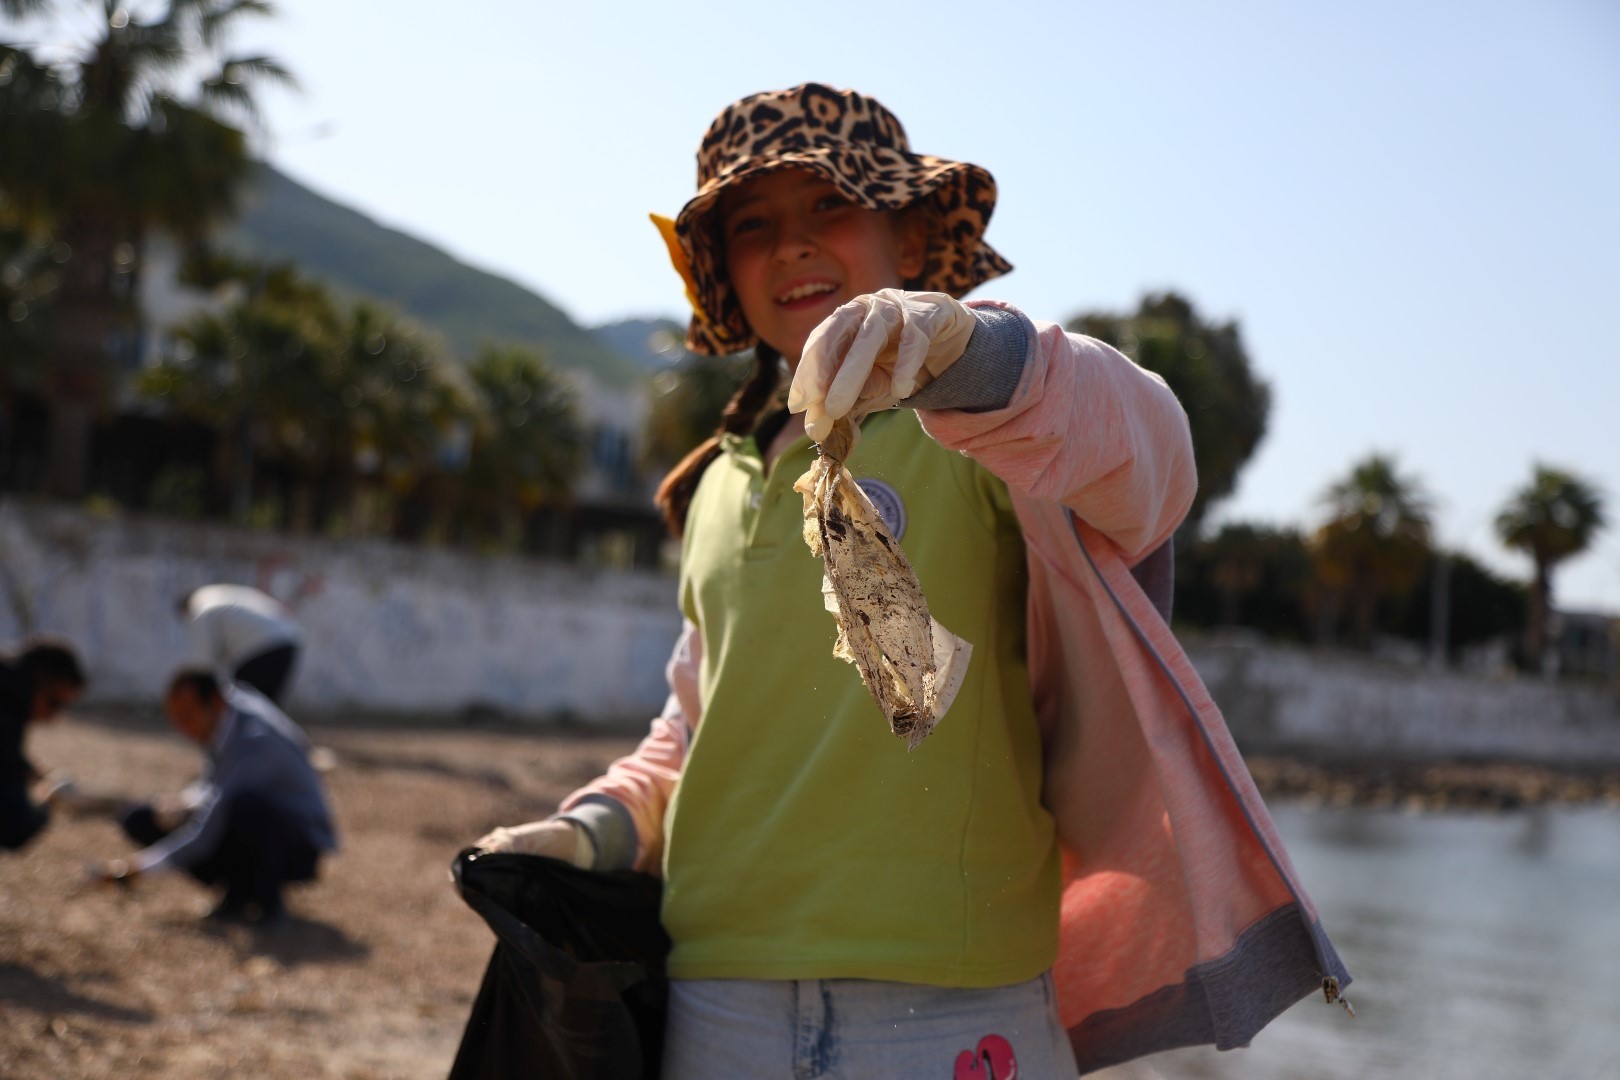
(1586, 644)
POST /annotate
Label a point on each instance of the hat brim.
(963, 196)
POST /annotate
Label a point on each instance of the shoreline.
(1422, 787)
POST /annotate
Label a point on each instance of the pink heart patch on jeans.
(992, 1060)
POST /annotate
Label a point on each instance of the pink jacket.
(1182, 920)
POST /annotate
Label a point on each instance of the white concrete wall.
(399, 629)
(390, 628)
(1277, 697)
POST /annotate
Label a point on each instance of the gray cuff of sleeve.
(612, 832)
(987, 373)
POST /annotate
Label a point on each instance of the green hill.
(282, 219)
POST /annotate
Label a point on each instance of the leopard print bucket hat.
(860, 148)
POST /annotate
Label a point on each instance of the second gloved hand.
(555, 837)
(875, 351)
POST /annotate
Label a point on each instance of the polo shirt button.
(754, 500)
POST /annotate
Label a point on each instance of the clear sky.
(1413, 210)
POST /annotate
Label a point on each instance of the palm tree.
(1375, 541)
(257, 371)
(1551, 519)
(30, 259)
(1237, 556)
(528, 444)
(110, 149)
(402, 407)
(355, 402)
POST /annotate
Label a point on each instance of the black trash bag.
(576, 988)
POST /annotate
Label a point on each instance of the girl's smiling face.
(796, 249)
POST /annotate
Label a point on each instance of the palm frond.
(21, 9)
(21, 76)
(231, 88)
(264, 69)
(214, 21)
(221, 95)
(1554, 517)
(157, 44)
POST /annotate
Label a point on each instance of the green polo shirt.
(803, 840)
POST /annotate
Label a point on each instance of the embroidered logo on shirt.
(992, 1059)
(889, 506)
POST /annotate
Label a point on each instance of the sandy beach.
(375, 975)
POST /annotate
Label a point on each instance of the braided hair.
(741, 414)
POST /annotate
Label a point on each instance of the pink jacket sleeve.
(1088, 428)
(642, 781)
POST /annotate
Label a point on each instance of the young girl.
(1074, 869)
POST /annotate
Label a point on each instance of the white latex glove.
(57, 786)
(554, 837)
(875, 351)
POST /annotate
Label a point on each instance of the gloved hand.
(557, 838)
(55, 787)
(118, 872)
(169, 812)
(875, 351)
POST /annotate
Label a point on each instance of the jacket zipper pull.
(1330, 991)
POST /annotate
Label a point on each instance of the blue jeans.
(854, 1029)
